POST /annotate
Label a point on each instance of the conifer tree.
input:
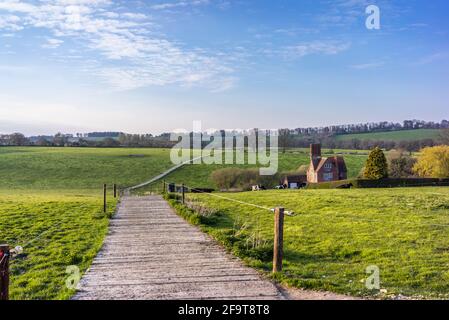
(376, 166)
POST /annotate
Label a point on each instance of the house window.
(328, 166)
(328, 176)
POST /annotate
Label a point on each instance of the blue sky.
(154, 66)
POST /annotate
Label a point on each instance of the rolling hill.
(403, 135)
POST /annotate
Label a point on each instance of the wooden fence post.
(115, 190)
(104, 198)
(4, 272)
(278, 251)
(183, 194)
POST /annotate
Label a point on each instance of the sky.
(158, 65)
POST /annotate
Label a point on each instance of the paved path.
(152, 253)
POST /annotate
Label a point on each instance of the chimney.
(315, 151)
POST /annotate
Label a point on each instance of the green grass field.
(56, 230)
(337, 234)
(405, 135)
(78, 168)
(51, 203)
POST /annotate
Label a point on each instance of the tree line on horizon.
(288, 138)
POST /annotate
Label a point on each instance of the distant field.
(78, 168)
(198, 176)
(337, 234)
(405, 135)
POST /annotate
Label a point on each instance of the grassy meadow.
(404, 135)
(56, 230)
(51, 204)
(32, 168)
(336, 234)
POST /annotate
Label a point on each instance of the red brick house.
(325, 169)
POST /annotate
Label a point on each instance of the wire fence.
(12, 252)
(250, 225)
(407, 242)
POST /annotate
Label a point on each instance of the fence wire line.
(288, 213)
(292, 214)
(378, 220)
(230, 199)
(26, 244)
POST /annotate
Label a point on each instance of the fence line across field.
(288, 213)
(279, 213)
(8, 254)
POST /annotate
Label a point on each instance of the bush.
(242, 179)
(400, 165)
(381, 183)
(227, 178)
(376, 166)
(433, 162)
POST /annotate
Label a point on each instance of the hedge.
(383, 183)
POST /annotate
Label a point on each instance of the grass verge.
(56, 230)
(337, 234)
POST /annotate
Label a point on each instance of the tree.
(42, 142)
(444, 136)
(400, 165)
(18, 139)
(433, 162)
(60, 139)
(109, 142)
(376, 166)
(284, 138)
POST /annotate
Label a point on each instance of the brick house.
(325, 169)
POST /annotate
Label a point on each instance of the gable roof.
(337, 161)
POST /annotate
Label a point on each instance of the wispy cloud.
(438, 56)
(322, 47)
(10, 22)
(134, 54)
(370, 65)
(52, 43)
(177, 4)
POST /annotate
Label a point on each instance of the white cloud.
(371, 65)
(314, 47)
(52, 43)
(433, 58)
(145, 58)
(171, 5)
(10, 22)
